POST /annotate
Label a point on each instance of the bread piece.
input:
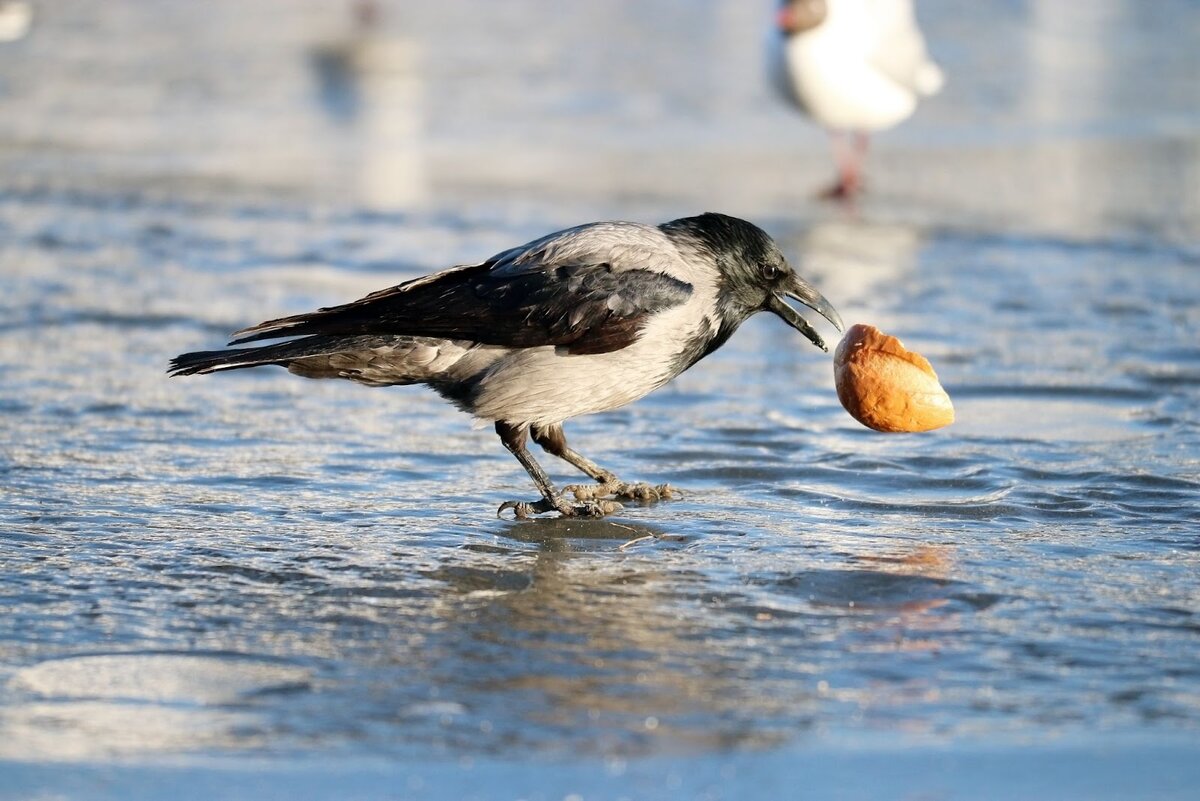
(886, 387)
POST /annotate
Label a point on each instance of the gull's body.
(580, 321)
(16, 18)
(855, 67)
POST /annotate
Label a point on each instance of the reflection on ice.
(856, 261)
(95, 707)
(553, 532)
(97, 730)
(185, 678)
(1051, 419)
(603, 654)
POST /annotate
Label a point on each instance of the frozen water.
(218, 584)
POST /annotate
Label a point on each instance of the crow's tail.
(281, 353)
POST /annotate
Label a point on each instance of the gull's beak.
(798, 289)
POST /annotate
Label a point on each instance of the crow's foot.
(523, 510)
(641, 491)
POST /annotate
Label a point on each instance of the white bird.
(854, 66)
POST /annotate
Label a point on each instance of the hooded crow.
(580, 321)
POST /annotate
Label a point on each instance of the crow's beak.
(798, 289)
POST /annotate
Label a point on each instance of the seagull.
(580, 321)
(854, 66)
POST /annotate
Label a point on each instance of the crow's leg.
(554, 441)
(513, 437)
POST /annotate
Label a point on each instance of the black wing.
(586, 308)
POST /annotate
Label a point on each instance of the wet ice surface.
(303, 582)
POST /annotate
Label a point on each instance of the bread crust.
(887, 387)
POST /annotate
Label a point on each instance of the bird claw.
(596, 509)
(593, 508)
(522, 510)
(641, 491)
(646, 492)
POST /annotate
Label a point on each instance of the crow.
(579, 321)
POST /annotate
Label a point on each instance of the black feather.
(585, 308)
(283, 353)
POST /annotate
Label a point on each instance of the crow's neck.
(715, 332)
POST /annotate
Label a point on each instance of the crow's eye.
(770, 272)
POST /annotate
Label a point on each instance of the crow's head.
(754, 275)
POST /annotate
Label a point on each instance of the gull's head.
(798, 16)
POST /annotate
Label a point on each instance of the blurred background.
(1079, 117)
(255, 585)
